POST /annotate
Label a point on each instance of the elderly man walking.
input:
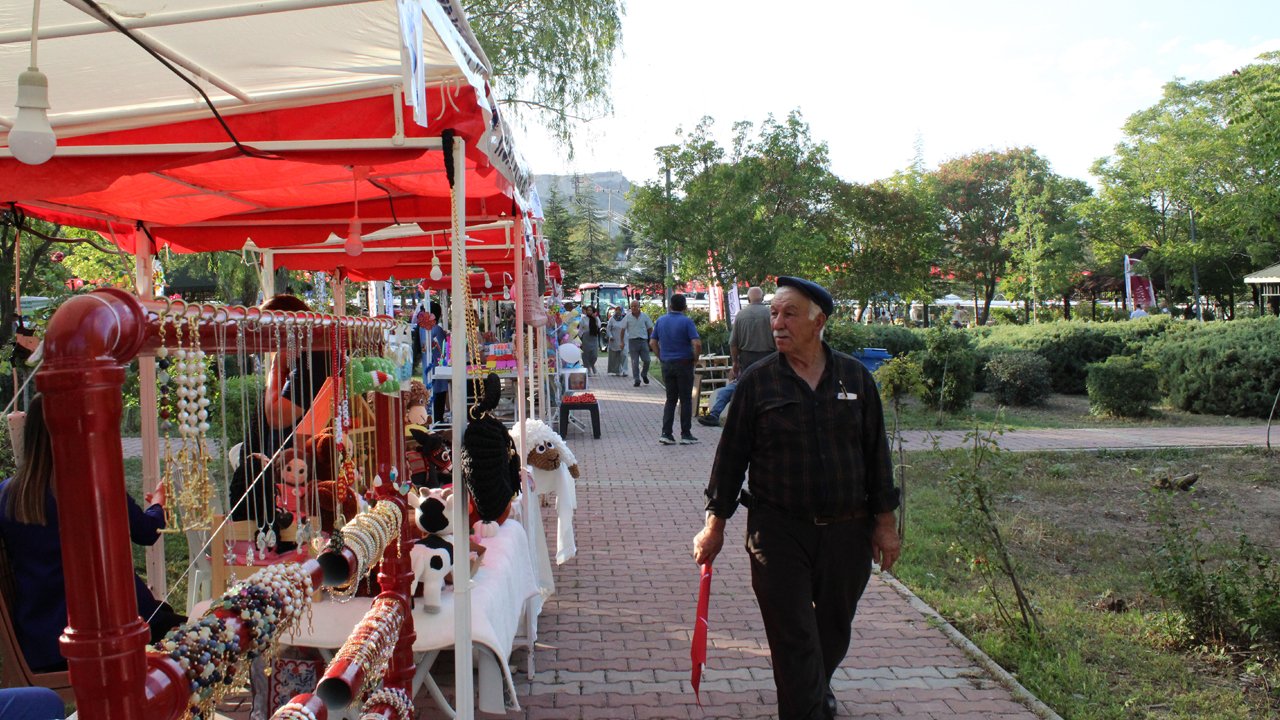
(676, 343)
(806, 432)
(637, 326)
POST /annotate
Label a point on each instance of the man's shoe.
(666, 440)
(832, 705)
(709, 420)
(645, 378)
(688, 440)
(635, 384)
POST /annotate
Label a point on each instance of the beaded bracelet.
(294, 711)
(395, 698)
(374, 639)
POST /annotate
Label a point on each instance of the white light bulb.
(488, 283)
(506, 292)
(436, 274)
(355, 243)
(31, 140)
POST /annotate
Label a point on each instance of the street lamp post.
(667, 277)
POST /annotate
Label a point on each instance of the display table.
(499, 591)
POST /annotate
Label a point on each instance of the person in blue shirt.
(676, 343)
(433, 337)
(30, 532)
(31, 703)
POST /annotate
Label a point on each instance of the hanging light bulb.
(436, 274)
(355, 243)
(506, 286)
(488, 282)
(31, 139)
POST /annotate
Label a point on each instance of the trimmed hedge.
(1020, 377)
(1123, 386)
(1070, 347)
(850, 337)
(1228, 368)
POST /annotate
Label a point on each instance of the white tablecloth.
(499, 590)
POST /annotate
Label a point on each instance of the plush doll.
(490, 464)
(432, 557)
(334, 493)
(426, 453)
(365, 374)
(555, 470)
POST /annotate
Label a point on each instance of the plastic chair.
(16, 672)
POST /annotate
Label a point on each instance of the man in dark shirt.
(807, 425)
(676, 343)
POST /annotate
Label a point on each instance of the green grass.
(1077, 525)
(1060, 411)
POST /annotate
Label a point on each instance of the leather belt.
(752, 502)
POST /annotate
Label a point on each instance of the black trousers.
(808, 579)
(678, 377)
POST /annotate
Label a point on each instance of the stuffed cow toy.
(432, 557)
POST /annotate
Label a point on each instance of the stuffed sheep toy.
(554, 470)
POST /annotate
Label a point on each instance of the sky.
(874, 78)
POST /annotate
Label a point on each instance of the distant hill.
(608, 191)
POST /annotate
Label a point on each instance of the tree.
(763, 208)
(975, 193)
(551, 56)
(889, 238)
(1048, 251)
(589, 244)
(557, 227)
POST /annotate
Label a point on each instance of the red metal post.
(88, 341)
(396, 573)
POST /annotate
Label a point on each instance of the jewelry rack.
(88, 343)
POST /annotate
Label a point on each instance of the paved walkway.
(614, 639)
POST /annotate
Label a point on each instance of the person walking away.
(676, 343)
(806, 431)
(590, 338)
(750, 341)
(637, 327)
(616, 333)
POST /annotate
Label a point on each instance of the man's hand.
(707, 543)
(885, 545)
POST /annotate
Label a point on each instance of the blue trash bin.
(872, 358)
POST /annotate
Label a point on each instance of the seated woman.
(30, 530)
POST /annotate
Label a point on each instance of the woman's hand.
(155, 498)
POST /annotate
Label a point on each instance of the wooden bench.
(711, 374)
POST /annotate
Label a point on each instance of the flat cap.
(812, 290)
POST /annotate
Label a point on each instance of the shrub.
(715, 337)
(1070, 347)
(1018, 378)
(1221, 368)
(1227, 594)
(948, 365)
(851, 337)
(1122, 386)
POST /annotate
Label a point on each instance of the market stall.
(260, 126)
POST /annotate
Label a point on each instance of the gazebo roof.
(1265, 275)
